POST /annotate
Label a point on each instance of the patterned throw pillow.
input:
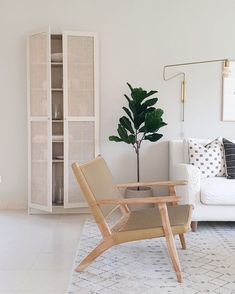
(229, 151)
(209, 159)
(217, 145)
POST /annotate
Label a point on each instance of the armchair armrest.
(155, 183)
(121, 201)
(191, 192)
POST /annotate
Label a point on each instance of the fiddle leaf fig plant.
(141, 121)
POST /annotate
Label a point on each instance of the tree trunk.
(138, 165)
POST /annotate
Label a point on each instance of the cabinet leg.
(194, 226)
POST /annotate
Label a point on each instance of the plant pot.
(143, 192)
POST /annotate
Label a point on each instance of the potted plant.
(141, 122)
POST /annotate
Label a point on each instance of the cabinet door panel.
(80, 80)
(80, 148)
(80, 75)
(39, 74)
(39, 120)
(40, 168)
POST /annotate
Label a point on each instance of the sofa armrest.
(190, 193)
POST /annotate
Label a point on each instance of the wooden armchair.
(103, 197)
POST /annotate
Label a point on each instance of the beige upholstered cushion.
(100, 182)
(147, 223)
(150, 218)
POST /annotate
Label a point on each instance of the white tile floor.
(37, 252)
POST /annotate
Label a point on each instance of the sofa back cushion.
(178, 150)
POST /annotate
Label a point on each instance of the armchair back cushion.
(96, 182)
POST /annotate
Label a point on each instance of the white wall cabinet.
(63, 115)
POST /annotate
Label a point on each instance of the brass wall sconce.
(225, 73)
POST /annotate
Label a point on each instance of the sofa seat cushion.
(218, 191)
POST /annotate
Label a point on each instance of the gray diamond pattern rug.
(208, 264)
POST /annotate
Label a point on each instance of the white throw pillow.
(209, 158)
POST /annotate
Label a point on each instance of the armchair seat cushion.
(147, 222)
(218, 191)
(150, 218)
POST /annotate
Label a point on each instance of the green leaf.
(135, 107)
(139, 111)
(150, 109)
(150, 102)
(140, 118)
(142, 129)
(159, 112)
(129, 85)
(132, 139)
(128, 113)
(125, 122)
(162, 124)
(123, 134)
(153, 137)
(150, 93)
(153, 120)
(115, 139)
(127, 98)
(138, 95)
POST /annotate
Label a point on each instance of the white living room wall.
(137, 38)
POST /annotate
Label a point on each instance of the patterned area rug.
(208, 264)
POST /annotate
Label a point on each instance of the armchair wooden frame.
(110, 236)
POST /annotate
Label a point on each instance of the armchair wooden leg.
(170, 241)
(174, 257)
(182, 241)
(103, 246)
(194, 226)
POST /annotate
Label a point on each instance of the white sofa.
(213, 198)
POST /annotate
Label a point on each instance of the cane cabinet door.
(80, 108)
(39, 120)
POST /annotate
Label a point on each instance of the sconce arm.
(225, 60)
